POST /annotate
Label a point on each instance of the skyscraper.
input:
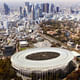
(42, 7)
(21, 12)
(6, 9)
(33, 12)
(57, 9)
(46, 7)
(29, 9)
(24, 12)
(37, 11)
(40, 13)
(27, 5)
(72, 11)
(52, 8)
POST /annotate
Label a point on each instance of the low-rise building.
(23, 43)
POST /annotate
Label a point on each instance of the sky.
(18, 3)
(68, 1)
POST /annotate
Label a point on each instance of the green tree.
(6, 70)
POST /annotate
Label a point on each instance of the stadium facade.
(44, 63)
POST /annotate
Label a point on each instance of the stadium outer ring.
(20, 63)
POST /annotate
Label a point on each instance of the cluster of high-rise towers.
(6, 9)
(37, 10)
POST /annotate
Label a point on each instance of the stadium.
(44, 63)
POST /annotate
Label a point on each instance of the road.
(50, 39)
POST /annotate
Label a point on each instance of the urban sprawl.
(37, 25)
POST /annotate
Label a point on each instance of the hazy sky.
(57, 2)
(68, 1)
